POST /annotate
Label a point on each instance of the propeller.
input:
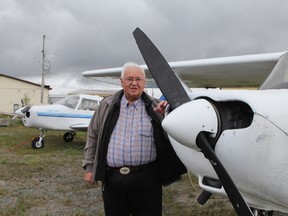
(176, 95)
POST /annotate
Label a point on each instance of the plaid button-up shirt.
(131, 142)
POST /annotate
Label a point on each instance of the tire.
(36, 144)
(68, 137)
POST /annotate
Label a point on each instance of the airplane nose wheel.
(37, 143)
(68, 136)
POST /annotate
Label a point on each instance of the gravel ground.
(61, 191)
(50, 181)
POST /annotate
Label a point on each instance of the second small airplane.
(69, 114)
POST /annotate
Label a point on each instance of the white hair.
(131, 64)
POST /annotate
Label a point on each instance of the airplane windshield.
(70, 102)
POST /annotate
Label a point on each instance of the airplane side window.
(87, 104)
(83, 105)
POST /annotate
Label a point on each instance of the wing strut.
(176, 95)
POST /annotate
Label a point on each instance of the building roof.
(21, 80)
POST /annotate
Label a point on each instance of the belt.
(130, 169)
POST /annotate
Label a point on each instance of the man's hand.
(89, 179)
(161, 106)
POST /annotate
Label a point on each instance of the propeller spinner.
(22, 111)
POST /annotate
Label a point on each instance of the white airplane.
(234, 141)
(69, 114)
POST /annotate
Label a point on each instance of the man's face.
(133, 83)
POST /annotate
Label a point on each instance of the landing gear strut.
(38, 142)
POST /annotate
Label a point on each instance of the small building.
(14, 91)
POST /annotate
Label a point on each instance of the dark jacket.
(100, 130)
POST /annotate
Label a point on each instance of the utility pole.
(43, 70)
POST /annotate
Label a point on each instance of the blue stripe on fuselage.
(64, 115)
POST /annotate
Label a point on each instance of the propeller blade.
(232, 192)
(176, 95)
(161, 71)
(25, 109)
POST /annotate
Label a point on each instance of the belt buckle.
(124, 170)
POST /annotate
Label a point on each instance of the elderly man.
(128, 151)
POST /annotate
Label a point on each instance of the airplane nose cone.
(19, 113)
(22, 111)
(185, 122)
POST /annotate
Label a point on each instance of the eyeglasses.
(131, 80)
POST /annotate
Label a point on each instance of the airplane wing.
(7, 121)
(80, 127)
(235, 71)
(7, 113)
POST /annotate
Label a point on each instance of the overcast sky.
(93, 34)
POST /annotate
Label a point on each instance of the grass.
(49, 181)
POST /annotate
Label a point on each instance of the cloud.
(94, 34)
